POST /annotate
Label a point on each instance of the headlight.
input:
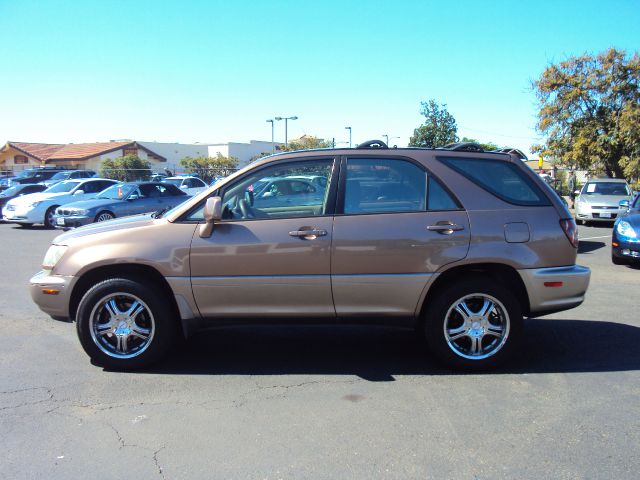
(53, 255)
(35, 204)
(625, 229)
(80, 212)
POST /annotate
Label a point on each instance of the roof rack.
(515, 151)
(463, 146)
(373, 144)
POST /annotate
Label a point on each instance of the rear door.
(396, 226)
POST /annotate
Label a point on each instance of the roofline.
(86, 157)
(12, 145)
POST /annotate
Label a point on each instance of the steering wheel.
(245, 209)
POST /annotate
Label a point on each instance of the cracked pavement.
(321, 402)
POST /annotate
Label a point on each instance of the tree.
(485, 146)
(439, 128)
(126, 169)
(590, 112)
(209, 167)
(305, 142)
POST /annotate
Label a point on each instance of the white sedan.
(189, 185)
(40, 207)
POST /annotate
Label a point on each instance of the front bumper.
(556, 288)
(43, 286)
(71, 221)
(23, 215)
(587, 213)
(626, 250)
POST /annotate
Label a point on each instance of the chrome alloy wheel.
(104, 216)
(121, 325)
(476, 326)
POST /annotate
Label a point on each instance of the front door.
(396, 227)
(267, 259)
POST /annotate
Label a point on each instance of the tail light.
(570, 230)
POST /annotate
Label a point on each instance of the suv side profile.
(456, 242)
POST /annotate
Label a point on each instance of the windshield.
(62, 187)
(173, 181)
(117, 191)
(606, 188)
(61, 176)
(25, 173)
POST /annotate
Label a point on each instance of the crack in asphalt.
(157, 462)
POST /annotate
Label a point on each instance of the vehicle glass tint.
(502, 179)
(271, 193)
(384, 185)
(117, 191)
(606, 188)
(62, 187)
(173, 181)
(438, 198)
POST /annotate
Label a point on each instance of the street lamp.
(273, 145)
(286, 119)
(387, 138)
(349, 128)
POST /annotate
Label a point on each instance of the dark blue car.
(120, 200)
(625, 241)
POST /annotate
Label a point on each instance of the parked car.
(40, 207)
(456, 242)
(190, 184)
(599, 200)
(120, 200)
(625, 240)
(69, 175)
(31, 175)
(278, 192)
(18, 191)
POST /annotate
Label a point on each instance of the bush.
(126, 169)
(209, 167)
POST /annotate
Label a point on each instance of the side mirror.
(78, 192)
(577, 192)
(212, 213)
(624, 203)
(133, 197)
(184, 187)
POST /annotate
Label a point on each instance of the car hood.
(37, 197)
(133, 221)
(633, 218)
(604, 200)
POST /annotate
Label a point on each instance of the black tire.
(49, 221)
(103, 216)
(105, 338)
(495, 335)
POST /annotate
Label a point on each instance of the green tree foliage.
(305, 142)
(439, 128)
(590, 112)
(209, 167)
(485, 146)
(126, 169)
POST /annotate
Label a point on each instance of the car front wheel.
(473, 325)
(125, 325)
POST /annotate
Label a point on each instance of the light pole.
(349, 128)
(273, 145)
(387, 138)
(286, 119)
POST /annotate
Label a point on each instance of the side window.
(268, 193)
(90, 187)
(383, 186)
(438, 198)
(500, 178)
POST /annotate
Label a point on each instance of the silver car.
(599, 200)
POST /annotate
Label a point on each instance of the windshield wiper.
(159, 213)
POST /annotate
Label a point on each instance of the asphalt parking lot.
(317, 402)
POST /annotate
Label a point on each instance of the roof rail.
(515, 151)
(463, 146)
(373, 144)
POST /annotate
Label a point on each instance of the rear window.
(502, 179)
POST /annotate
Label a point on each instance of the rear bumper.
(555, 289)
(54, 304)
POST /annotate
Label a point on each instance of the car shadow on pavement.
(378, 353)
(588, 246)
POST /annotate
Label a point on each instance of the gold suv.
(458, 242)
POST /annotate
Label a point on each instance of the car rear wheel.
(124, 324)
(49, 220)
(473, 325)
(104, 216)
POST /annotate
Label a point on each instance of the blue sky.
(214, 71)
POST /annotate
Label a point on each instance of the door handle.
(445, 228)
(308, 233)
